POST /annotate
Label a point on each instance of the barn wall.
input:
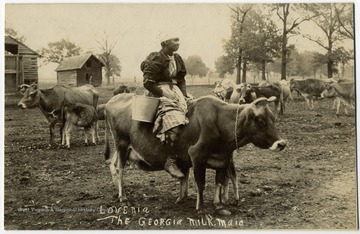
(30, 69)
(10, 82)
(67, 78)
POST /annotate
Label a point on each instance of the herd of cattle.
(209, 139)
(342, 90)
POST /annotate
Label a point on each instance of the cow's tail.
(107, 134)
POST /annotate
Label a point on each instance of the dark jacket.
(156, 70)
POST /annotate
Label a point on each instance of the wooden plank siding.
(20, 64)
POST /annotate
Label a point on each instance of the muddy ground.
(309, 185)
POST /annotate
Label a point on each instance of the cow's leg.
(338, 108)
(86, 133)
(123, 152)
(334, 103)
(184, 185)
(231, 174)
(312, 103)
(51, 128)
(94, 132)
(68, 127)
(198, 157)
(219, 181)
(307, 102)
(97, 131)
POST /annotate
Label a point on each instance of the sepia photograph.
(180, 116)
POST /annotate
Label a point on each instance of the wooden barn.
(20, 64)
(80, 70)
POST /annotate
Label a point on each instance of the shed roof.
(10, 42)
(75, 62)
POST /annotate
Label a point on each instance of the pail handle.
(135, 93)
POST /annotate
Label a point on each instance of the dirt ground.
(309, 185)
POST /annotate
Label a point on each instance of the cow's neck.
(227, 126)
(45, 104)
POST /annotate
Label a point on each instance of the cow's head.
(31, 97)
(329, 90)
(257, 123)
(292, 85)
(246, 92)
(219, 90)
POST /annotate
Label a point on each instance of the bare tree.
(289, 26)
(328, 23)
(345, 17)
(106, 56)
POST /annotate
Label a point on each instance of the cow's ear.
(34, 85)
(22, 88)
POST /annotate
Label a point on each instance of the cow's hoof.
(223, 211)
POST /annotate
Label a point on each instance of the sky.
(134, 28)
(202, 28)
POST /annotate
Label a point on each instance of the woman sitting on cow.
(164, 77)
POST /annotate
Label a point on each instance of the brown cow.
(80, 115)
(308, 88)
(344, 92)
(214, 131)
(250, 93)
(53, 100)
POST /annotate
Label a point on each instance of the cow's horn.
(260, 100)
(271, 99)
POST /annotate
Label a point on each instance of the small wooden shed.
(80, 70)
(20, 64)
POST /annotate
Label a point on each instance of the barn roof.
(16, 47)
(75, 62)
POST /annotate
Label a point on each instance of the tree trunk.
(283, 48)
(243, 80)
(330, 68)
(263, 77)
(283, 57)
(238, 71)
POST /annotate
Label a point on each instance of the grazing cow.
(224, 88)
(308, 88)
(249, 93)
(344, 92)
(79, 115)
(100, 111)
(214, 131)
(53, 100)
(122, 88)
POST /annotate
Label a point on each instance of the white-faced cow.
(80, 115)
(308, 88)
(53, 100)
(224, 88)
(344, 92)
(215, 130)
